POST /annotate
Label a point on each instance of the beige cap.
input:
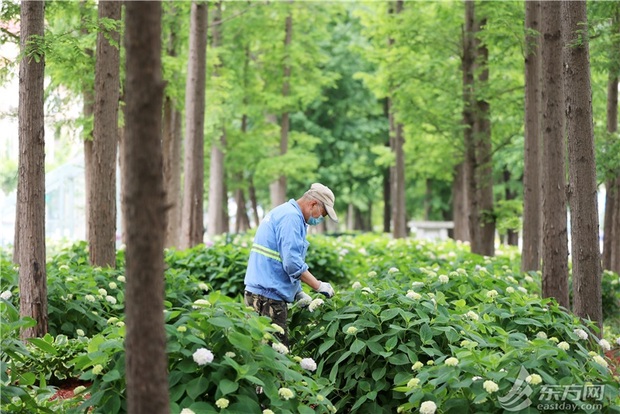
(325, 195)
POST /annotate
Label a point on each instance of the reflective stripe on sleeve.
(272, 254)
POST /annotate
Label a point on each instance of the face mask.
(313, 221)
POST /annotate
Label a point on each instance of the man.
(277, 263)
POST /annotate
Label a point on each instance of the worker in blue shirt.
(277, 263)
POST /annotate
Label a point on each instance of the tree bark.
(555, 238)
(532, 206)
(615, 251)
(217, 218)
(172, 152)
(459, 203)
(278, 188)
(88, 109)
(192, 228)
(102, 196)
(146, 364)
(30, 208)
(586, 255)
(484, 150)
(470, 163)
(512, 236)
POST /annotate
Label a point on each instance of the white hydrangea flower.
(600, 360)
(618, 340)
(416, 285)
(278, 328)
(121, 278)
(461, 271)
(472, 315)
(428, 407)
(308, 363)
(63, 267)
(120, 324)
(285, 393)
(510, 289)
(476, 378)
(281, 348)
(554, 339)
(79, 332)
(203, 356)
(203, 286)
(372, 273)
(90, 298)
(533, 379)
(187, 411)
(356, 285)
(6, 295)
(413, 382)
(564, 345)
(452, 362)
(492, 293)
(315, 304)
(393, 270)
(490, 386)
(352, 330)
(413, 295)
(528, 279)
(230, 354)
(222, 403)
(182, 328)
(201, 303)
(581, 334)
(267, 411)
(112, 320)
(522, 289)
(111, 299)
(112, 285)
(97, 369)
(605, 345)
(102, 292)
(443, 279)
(541, 335)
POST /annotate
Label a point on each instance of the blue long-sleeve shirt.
(278, 255)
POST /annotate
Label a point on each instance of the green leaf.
(197, 387)
(227, 386)
(241, 341)
(43, 345)
(357, 346)
(112, 376)
(221, 321)
(426, 334)
(326, 345)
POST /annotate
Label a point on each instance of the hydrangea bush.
(415, 326)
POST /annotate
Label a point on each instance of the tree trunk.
(611, 237)
(102, 196)
(30, 224)
(586, 254)
(254, 202)
(387, 176)
(483, 147)
(555, 238)
(278, 188)
(216, 216)
(470, 164)
(530, 253)
(615, 251)
(145, 342)
(192, 226)
(172, 152)
(459, 203)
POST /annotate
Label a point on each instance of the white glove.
(302, 299)
(326, 289)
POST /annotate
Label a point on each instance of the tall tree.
(102, 194)
(586, 255)
(611, 238)
(172, 152)
(216, 212)
(397, 143)
(555, 237)
(530, 254)
(468, 60)
(146, 363)
(30, 223)
(192, 225)
(278, 188)
(485, 244)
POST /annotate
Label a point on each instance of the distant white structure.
(431, 230)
